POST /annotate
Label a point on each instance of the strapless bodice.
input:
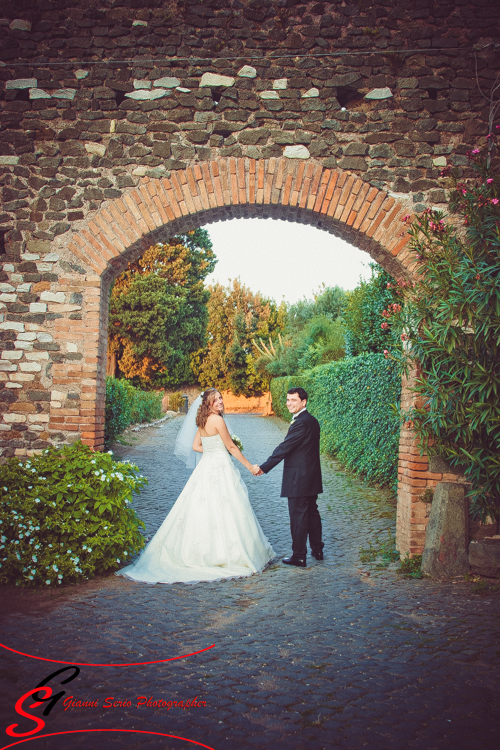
(212, 444)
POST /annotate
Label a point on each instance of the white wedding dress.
(211, 532)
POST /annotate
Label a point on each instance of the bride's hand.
(256, 470)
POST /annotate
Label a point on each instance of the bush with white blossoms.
(65, 516)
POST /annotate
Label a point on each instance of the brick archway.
(156, 209)
(108, 239)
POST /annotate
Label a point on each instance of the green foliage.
(64, 516)
(352, 400)
(127, 405)
(362, 311)
(411, 567)
(175, 401)
(328, 301)
(321, 340)
(451, 322)
(383, 553)
(236, 317)
(314, 335)
(158, 311)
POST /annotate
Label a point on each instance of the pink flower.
(494, 201)
(406, 217)
(476, 151)
(386, 353)
(489, 180)
(384, 326)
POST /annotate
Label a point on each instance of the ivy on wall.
(352, 399)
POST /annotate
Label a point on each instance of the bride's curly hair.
(204, 409)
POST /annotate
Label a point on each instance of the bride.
(211, 532)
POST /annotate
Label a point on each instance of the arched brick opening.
(280, 188)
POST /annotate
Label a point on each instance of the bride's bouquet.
(237, 442)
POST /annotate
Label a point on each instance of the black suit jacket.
(300, 451)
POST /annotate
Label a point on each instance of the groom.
(301, 478)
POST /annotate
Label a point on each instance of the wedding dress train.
(211, 532)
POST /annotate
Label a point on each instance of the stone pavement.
(326, 657)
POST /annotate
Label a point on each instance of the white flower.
(93, 461)
(54, 567)
(117, 560)
(34, 558)
(110, 453)
(37, 499)
(37, 546)
(47, 581)
(103, 479)
(30, 577)
(96, 473)
(125, 553)
(33, 471)
(90, 549)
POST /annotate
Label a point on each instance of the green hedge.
(65, 516)
(352, 400)
(127, 405)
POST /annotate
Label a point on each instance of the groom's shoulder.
(312, 420)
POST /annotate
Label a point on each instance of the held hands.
(256, 471)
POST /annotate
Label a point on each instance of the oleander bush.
(126, 405)
(352, 399)
(450, 322)
(65, 516)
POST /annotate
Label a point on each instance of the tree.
(314, 335)
(158, 311)
(235, 317)
(361, 313)
(450, 324)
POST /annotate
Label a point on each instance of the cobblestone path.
(326, 657)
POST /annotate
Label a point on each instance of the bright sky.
(283, 259)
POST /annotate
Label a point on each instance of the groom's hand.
(259, 471)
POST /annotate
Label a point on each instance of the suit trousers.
(305, 521)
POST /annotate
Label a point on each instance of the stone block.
(296, 152)
(213, 79)
(353, 162)
(247, 71)
(484, 556)
(21, 83)
(446, 541)
(269, 95)
(376, 94)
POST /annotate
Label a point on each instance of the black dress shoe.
(317, 555)
(299, 562)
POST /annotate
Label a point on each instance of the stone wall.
(122, 125)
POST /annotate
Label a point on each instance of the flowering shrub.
(64, 516)
(450, 322)
(352, 400)
(127, 405)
